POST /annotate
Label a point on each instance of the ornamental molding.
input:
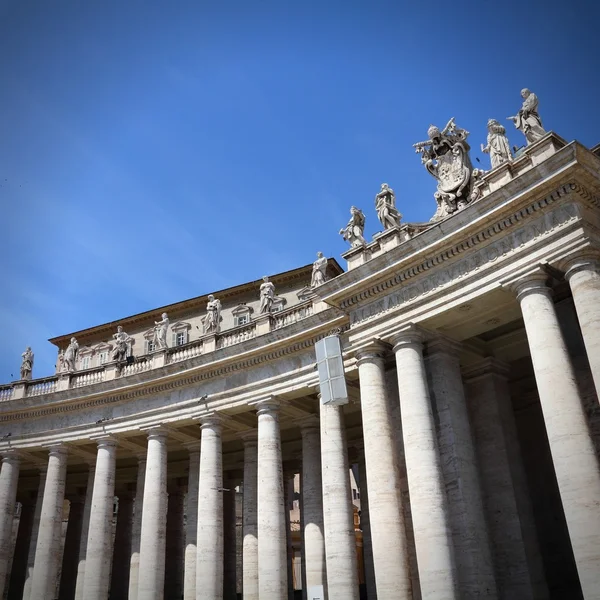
(471, 242)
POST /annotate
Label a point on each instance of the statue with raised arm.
(497, 144)
(122, 345)
(213, 315)
(385, 205)
(318, 271)
(354, 230)
(160, 332)
(267, 295)
(70, 355)
(445, 155)
(528, 120)
(27, 363)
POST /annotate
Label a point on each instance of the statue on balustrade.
(267, 295)
(445, 155)
(354, 230)
(160, 332)
(212, 320)
(318, 271)
(497, 144)
(70, 356)
(528, 120)
(123, 345)
(385, 205)
(27, 363)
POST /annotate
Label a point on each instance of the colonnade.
(458, 457)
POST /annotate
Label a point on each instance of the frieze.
(470, 264)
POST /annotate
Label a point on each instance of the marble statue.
(527, 120)
(213, 315)
(445, 155)
(123, 345)
(385, 205)
(27, 363)
(318, 271)
(354, 230)
(70, 355)
(60, 361)
(267, 295)
(497, 144)
(160, 332)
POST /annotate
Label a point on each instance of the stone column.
(229, 541)
(19, 566)
(9, 480)
(83, 539)
(571, 445)
(34, 535)
(191, 526)
(136, 530)
(249, 519)
(288, 499)
(433, 539)
(209, 556)
(311, 486)
(272, 551)
(151, 575)
(386, 517)
(338, 513)
(119, 586)
(68, 574)
(47, 552)
(174, 543)
(100, 540)
(583, 275)
(459, 467)
(365, 525)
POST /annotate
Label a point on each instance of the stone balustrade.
(237, 335)
(190, 350)
(42, 386)
(139, 366)
(292, 315)
(88, 378)
(6, 392)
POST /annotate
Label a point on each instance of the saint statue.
(497, 144)
(353, 232)
(60, 361)
(27, 363)
(385, 205)
(318, 272)
(70, 355)
(267, 295)
(527, 120)
(160, 332)
(123, 345)
(213, 315)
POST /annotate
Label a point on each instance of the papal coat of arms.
(446, 156)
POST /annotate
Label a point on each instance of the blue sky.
(153, 151)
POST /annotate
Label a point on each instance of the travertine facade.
(471, 357)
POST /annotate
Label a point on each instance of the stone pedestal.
(47, 553)
(136, 530)
(250, 519)
(9, 479)
(338, 514)
(159, 358)
(83, 538)
(98, 558)
(272, 551)
(151, 577)
(433, 539)
(191, 527)
(386, 517)
(209, 556)
(571, 446)
(263, 324)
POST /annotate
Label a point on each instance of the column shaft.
(19, 567)
(83, 539)
(365, 525)
(175, 545)
(338, 514)
(68, 574)
(47, 553)
(9, 479)
(571, 446)
(151, 577)
(100, 541)
(119, 586)
(229, 543)
(433, 539)
(209, 562)
(191, 527)
(136, 530)
(249, 520)
(272, 550)
(288, 499)
(312, 511)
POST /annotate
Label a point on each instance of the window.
(241, 315)
(102, 357)
(150, 346)
(85, 362)
(179, 338)
(242, 319)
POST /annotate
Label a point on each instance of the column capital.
(192, 447)
(56, 448)
(584, 261)
(269, 405)
(486, 366)
(250, 438)
(443, 345)
(411, 336)
(104, 441)
(309, 423)
(155, 431)
(210, 421)
(534, 282)
(374, 351)
(10, 455)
